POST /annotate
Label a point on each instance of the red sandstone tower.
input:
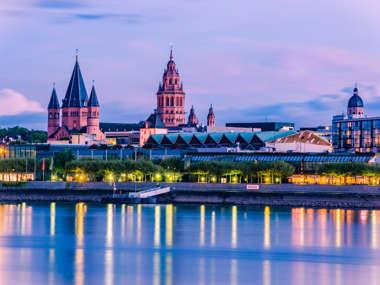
(170, 96)
(53, 113)
(192, 117)
(211, 117)
(93, 114)
(74, 105)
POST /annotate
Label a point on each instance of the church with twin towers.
(79, 114)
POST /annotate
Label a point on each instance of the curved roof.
(355, 100)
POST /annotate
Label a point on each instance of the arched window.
(176, 81)
(170, 82)
(172, 101)
(167, 101)
(50, 115)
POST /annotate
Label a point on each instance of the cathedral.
(79, 115)
(171, 100)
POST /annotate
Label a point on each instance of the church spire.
(76, 94)
(53, 103)
(93, 101)
(192, 117)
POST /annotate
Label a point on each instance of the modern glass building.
(355, 132)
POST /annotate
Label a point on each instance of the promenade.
(355, 196)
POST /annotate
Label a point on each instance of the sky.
(274, 60)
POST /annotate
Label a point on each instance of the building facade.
(80, 115)
(355, 132)
(171, 97)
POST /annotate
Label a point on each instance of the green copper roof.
(272, 135)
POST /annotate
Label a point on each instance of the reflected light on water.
(234, 227)
(109, 255)
(52, 219)
(322, 224)
(80, 209)
(157, 223)
(266, 227)
(129, 223)
(298, 226)
(169, 225)
(138, 224)
(156, 268)
(202, 226)
(266, 272)
(122, 221)
(374, 229)
(213, 228)
(169, 269)
(234, 272)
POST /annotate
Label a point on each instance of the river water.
(62, 243)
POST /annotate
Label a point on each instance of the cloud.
(14, 103)
(126, 18)
(59, 4)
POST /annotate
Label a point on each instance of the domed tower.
(93, 113)
(170, 96)
(53, 113)
(211, 117)
(355, 107)
(74, 105)
(192, 117)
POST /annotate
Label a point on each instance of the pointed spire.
(93, 101)
(76, 94)
(171, 53)
(53, 103)
(210, 107)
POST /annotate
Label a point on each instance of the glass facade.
(356, 134)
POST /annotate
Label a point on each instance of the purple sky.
(287, 60)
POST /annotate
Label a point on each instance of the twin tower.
(80, 114)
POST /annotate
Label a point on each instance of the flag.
(51, 164)
(43, 164)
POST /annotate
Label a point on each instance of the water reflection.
(160, 244)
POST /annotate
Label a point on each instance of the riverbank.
(289, 195)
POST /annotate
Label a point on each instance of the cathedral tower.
(53, 113)
(192, 117)
(170, 96)
(74, 105)
(93, 114)
(211, 117)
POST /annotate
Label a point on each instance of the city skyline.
(249, 62)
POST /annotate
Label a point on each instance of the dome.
(355, 100)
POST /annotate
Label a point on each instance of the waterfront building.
(304, 141)
(80, 115)
(121, 133)
(355, 132)
(264, 126)
(321, 131)
(170, 96)
(238, 140)
(153, 126)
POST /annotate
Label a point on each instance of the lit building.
(171, 97)
(264, 126)
(355, 132)
(153, 126)
(80, 115)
